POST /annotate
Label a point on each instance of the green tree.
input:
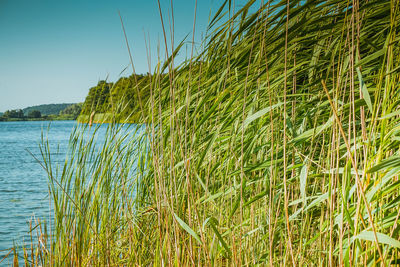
(15, 113)
(34, 114)
(98, 98)
(72, 110)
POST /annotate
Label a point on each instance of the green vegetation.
(34, 114)
(13, 114)
(71, 112)
(47, 109)
(44, 112)
(118, 98)
(277, 145)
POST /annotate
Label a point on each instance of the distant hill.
(47, 109)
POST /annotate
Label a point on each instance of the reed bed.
(277, 143)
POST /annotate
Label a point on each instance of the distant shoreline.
(46, 112)
(36, 119)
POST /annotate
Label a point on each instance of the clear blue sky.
(54, 51)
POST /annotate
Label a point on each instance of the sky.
(53, 51)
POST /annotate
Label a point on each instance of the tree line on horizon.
(44, 112)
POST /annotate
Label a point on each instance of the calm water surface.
(23, 182)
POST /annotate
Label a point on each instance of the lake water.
(23, 182)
